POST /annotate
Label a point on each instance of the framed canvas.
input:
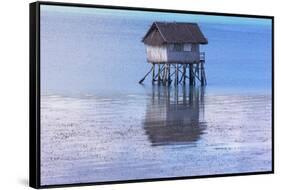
(122, 94)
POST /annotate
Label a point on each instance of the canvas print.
(133, 94)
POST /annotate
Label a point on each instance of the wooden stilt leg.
(165, 74)
(203, 77)
(184, 73)
(153, 72)
(191, 77)
(176, 75)
(159, 72)
(169, 77)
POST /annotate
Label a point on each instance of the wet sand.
(164, 133)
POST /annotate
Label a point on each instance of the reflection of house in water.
(175, 116)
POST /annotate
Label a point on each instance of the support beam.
(203, 77)
(166, 70)
(169, 75)
(159, 73)
(184, 73)
(145, 76)
(165, 73)
(176, 75)
(191, 75)
(153, 72)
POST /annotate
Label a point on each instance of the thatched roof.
(174, 32)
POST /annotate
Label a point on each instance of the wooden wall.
(165, 53)
(156, 54)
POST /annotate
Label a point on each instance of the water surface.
(153, 136)
(99, 124)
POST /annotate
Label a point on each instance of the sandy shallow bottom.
(163, 134)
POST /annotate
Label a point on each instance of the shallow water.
(166, 133)
(99, 124)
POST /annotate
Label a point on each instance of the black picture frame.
(34, 92)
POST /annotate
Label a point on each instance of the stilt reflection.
(175, 115)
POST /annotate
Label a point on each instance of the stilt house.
(175, 47)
